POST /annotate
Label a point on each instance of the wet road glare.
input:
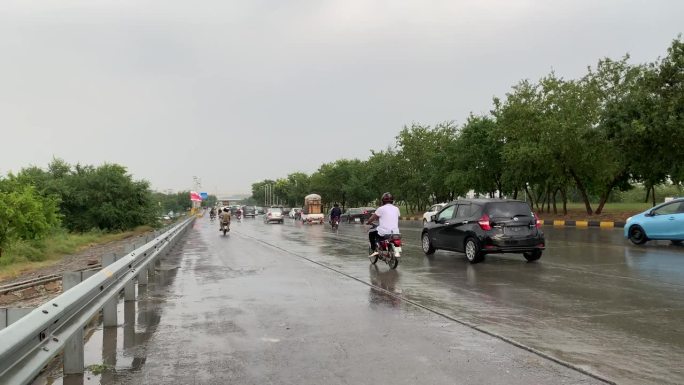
(301, 304)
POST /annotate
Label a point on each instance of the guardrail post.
(150, 269)
(11, 315)
(109, 337)
(142, 276)
(129, 291)
(74, 357)
(109, 309)
(129, 325)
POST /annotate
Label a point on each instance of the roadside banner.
(204, 195)
(195, 197)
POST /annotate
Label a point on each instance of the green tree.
(618, 133)
(105, 197)
(423, 153)
(24, 214)
(478, 153)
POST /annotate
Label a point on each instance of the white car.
(274, 214)
(434, 209)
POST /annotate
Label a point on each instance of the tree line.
(554, 140)
(35, 202)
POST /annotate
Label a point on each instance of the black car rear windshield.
(509, 210)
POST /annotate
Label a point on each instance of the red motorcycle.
(335, 223)
(389, 249)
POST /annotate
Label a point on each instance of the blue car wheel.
(637, 235)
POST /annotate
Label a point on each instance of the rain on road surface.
(300, 304)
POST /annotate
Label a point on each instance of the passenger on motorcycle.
(224, 218)
(387, 216)
(335, 213)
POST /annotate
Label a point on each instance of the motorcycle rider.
(335, 213)
(387, 216)
(224, 218)
(212, 213)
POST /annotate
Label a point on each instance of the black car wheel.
(637, 235)
(428, 248)
(532, 255)
(472, 251)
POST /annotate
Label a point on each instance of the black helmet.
(387, 198)
(226, 209)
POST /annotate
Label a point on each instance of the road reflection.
(387, 281)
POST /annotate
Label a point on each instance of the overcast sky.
(237, 91)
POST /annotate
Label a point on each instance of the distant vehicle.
(259, 210)
(481, 226)
(357, 214)
(274, 214)
(311, 213)
(663, 222)
(294, 213)
(286, 211)
(434, 209)
(249, 211)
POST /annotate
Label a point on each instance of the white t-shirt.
(389, 219)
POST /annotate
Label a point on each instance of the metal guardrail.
(31, 343)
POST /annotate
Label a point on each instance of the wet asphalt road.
(299, 304)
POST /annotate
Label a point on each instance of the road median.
(559, 223)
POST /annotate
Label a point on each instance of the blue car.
(663, 222)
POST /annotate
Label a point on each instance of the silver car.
(274, 214)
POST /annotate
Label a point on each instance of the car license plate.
(357, 219)
(514, 229)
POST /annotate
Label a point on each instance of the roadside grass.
(610, 207)
(24, 255)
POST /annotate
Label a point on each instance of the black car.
(357, 214)
(249, 211)
(481, 226)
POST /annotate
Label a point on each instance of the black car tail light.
(484, 223)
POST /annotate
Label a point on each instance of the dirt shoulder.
(81, 260)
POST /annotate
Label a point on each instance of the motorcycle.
(389, 249)
(212, 216)
(225, 227)
(239, 215)
(335, 223)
